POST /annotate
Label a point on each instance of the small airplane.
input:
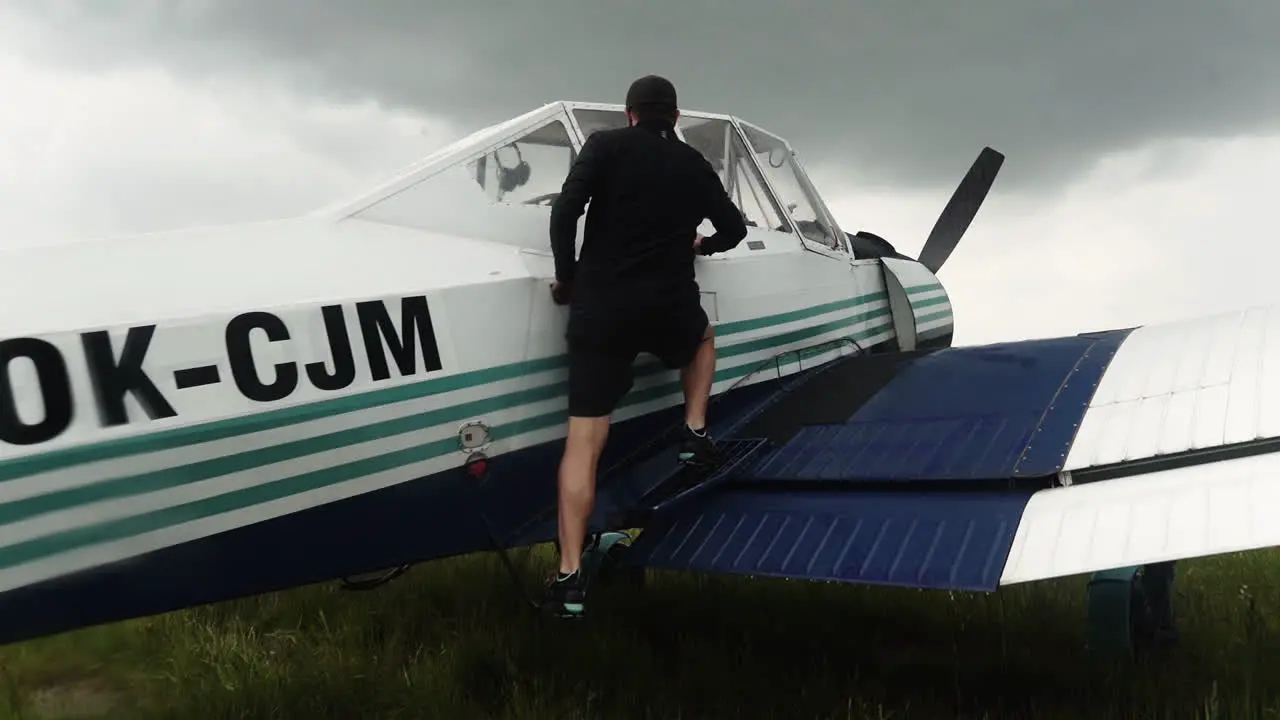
(192, 416)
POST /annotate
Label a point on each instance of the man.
(632, 290)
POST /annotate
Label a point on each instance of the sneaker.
(566, 594)
(697, 448)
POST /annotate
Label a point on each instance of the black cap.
(651, 91)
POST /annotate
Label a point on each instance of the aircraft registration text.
(147, 373)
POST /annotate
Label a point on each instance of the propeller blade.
(961, 209)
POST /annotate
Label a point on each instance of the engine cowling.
(869, 245)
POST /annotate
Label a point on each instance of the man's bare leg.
(697, 378)
(582, 450)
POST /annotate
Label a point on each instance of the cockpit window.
(785, 176)
(720, 144)
(496, 184)
(707, 136)
(591, 121)
(529, 170)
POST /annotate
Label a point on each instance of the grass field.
(452, 640)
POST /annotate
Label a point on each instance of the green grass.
(451, 640)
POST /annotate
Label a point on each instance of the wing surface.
(972, 467)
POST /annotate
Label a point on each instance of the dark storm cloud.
(911, 89)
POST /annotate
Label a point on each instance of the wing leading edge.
(968, 468)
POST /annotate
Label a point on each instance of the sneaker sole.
(693, 459)
(570, 611)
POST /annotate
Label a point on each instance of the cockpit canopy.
(518, 167)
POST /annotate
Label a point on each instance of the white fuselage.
(498, 336)
(164, 388)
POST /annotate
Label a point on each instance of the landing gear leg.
(1131, 609)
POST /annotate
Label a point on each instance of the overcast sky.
(1142, 135)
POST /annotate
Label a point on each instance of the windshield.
(591, 121)
(719, 142)
(784, 173)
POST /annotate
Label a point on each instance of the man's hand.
(697, 244)
(560, 292)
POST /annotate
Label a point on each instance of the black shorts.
(603, 345)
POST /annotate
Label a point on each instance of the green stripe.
(38, 548)
(269, 420)
(928, 302)
(798, 335)
(786, 317)
(272, 419)
(922, 289)
(932, 316)
(180, 475)
(177, 476)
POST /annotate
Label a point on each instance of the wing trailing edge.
(945, 540)
(1174, 514)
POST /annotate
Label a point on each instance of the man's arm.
(730, 226)
(577, 189)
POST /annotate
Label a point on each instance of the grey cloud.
(897, 92)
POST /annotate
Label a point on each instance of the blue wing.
(972, 467)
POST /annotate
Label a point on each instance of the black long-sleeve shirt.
(649, 192)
